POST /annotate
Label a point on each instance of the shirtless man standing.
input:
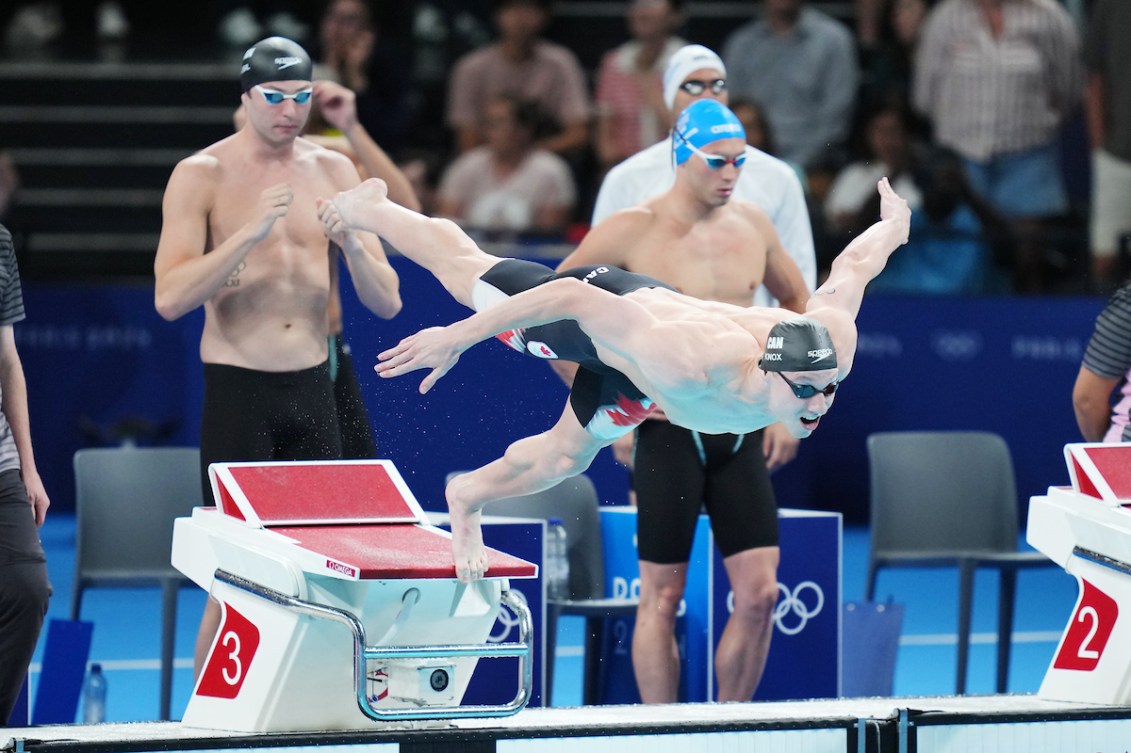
(712, 367)
(241, 238)
(708, 244)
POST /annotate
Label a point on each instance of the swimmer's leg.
(529, 465)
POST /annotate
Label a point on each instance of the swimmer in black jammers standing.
(241, 237)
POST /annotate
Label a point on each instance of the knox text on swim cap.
(799, 344)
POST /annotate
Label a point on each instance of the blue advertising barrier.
(804, 660)
(97, 357)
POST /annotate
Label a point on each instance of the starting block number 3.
(231, 656)
(1088, 633)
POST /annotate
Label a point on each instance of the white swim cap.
(685, 61)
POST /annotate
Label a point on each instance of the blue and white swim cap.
(703, 122)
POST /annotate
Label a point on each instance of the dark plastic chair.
(574, 500)
(949, 498)
(126, 499)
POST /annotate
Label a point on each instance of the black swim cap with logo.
(274, 59)
(798, 344)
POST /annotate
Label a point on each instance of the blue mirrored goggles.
(806, 391)
(276, 97)
(716, 161)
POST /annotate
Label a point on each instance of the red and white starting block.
(1086, 529)
(340, 602)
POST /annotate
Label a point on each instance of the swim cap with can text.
(703, 122)
(274, 59)
(798, 344)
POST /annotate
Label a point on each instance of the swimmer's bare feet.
(353, 205)
(468, 552)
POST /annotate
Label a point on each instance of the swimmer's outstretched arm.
(865, 257)
(613, 322)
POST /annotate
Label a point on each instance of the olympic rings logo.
(792, 603)
(507, 621)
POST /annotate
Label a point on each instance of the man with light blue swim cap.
(706, 121)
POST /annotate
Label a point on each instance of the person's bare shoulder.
(751, 212)
(614, 239)
(338, 166)
(197, 173)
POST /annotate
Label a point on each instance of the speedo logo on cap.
(287, 61)
(776, 343)
(819, 354)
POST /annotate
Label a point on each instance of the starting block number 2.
(231, 656)
(1088, 633)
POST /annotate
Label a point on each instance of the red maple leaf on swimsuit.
(631, 413)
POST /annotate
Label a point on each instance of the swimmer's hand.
(435, 348)
(274, 202)
(894, 208)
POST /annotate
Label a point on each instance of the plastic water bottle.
(94, 696)
(557, 561)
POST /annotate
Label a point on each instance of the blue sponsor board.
(804, 659)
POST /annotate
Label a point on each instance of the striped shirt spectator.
(1107, 363)
(11, 311)
(992, 91)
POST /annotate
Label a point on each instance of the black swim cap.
(274, 59)
(798, 344)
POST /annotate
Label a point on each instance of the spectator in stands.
(244, 21)
(997, 78)
(888, 61)
(801, 65)
(351, 52)
(9, 183)
(955, 234)
(760, 135)
(630, 109)
(888, 153)
(696, 72)
(523, 64)
(1106, 367)
(509, 185)
(1108, 57)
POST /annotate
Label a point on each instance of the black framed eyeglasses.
(806, 391)
(695, 87)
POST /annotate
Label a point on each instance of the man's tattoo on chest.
(233, 280)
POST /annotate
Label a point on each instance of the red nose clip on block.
(340, 602)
